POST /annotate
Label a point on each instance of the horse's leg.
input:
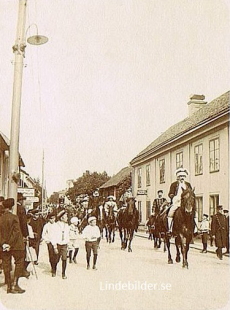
(159, 240)
(125, 238)
(131, 232)
(178, 244)
(121, 237)
(113, 234)
(167, 241)
(183, 250)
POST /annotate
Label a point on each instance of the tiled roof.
(210, 110)
(119, 177)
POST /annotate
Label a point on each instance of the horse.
(128, 222)
(183, 226)
(151, 224)
(110, 225)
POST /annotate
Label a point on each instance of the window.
(139, 178)
(198, 150)
(140, 211)
(147, 175)
(199, 207)
(214, 202)
(148, 209)
(214, 155)
(179, 160)
(162, 170)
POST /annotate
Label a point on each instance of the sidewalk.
(195, 244)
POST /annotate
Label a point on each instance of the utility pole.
(19, 52)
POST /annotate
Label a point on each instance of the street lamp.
(19, 52)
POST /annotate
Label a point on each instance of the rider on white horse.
(175, 192)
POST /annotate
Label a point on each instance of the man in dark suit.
(157, 202)
(11, 242)
(219, 230)
(226, 213)
(21, 213)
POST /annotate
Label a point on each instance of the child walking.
(91, 234)
(204, 228)
(73, 245)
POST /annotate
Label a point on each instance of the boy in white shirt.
(46, 236)
(91, 234)
(60, 240)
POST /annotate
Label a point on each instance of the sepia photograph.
(114, 154)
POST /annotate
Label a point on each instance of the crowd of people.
(21, 234)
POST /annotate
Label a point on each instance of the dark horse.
(128, 222)
(183, 226)
(110, 225)
(153, 234)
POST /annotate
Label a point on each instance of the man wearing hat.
(157, 202)
(37, 225)
(111, 203)
(11, 242)
(91, 234)
(21, 213)
(226, 213)
(175, 191)
(219, 230)
(204, 229)
(60, 240)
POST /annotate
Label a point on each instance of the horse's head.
(131, 206)
(188, 202)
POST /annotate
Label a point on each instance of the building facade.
(199, 143)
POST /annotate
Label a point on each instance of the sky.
(114, 75)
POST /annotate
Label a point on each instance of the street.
(138, 280)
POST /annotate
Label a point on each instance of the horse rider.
(175, 191)
(111, 203)
(157, 202)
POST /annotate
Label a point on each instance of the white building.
(199, 143)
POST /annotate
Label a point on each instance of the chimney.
(196, 102)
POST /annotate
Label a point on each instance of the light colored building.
(199, 143)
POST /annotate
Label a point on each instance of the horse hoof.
(177, 259)
(170, 261)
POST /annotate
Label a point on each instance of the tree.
(87, 184)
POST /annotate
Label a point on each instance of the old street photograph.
(114, 154)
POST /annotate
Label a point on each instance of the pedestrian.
(219, 230)
(210, 236)
(21, 213)
(175, 191)
(91, 234)
(73, 246)
(31, 255)
(204, 228)
(37, 224)
(226, 213)
(47, 234)
(60, 240)
(12, 244)
(157, 202)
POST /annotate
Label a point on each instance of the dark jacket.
(219, 229)
(10, 232)
(21, 213)
(157, 203)
(174, 189)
